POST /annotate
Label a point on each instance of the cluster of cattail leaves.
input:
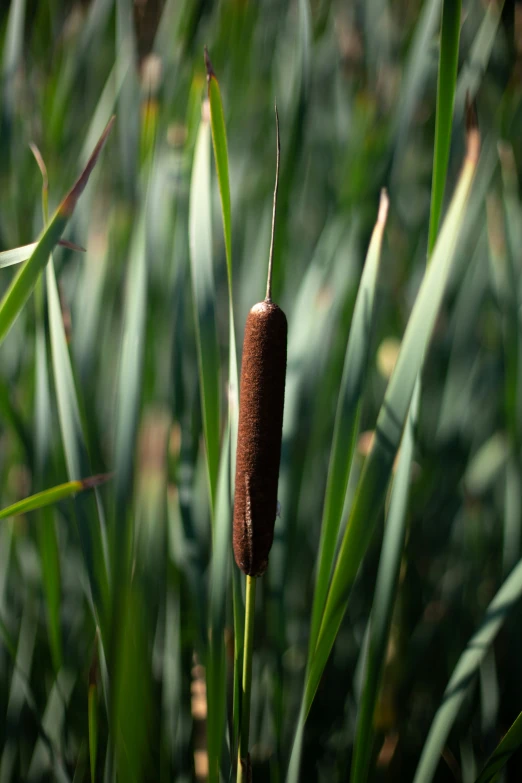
(387, 626)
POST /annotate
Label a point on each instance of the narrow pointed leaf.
(19, 254)
(464, 673)
(511, 741)
(395, 529)
(219, 142)
(53, 495)
(24, 282)
(347, 416)
(200, 235)
(377, 469)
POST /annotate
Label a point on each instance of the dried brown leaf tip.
(67, 206)
(41, 164)
(95, 481)
(472, 130)
(260, 429)
(208, 66)
(71, 246)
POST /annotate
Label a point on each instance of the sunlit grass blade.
(345, 430)
(347, 417)
(511, 741)
(77, 458)
(200, 235)
(24, 282)
(309, 331)
(219, 141)
(129, 390)
(395, 531)
(43, 422)
(53, 495)
(19, 254)
(73, 437)
(374, 479)
(464, 673)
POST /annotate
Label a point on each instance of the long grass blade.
(51, 496)
(219, 142)
(129, 386)
(200, 235)
(24, 282)
(465, 671)
(511, 741)
(395, 530)
(19, 254)
(47, 534)
(73, 437)
(347, 416)
(390, 422)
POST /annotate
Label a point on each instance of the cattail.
(260, 430)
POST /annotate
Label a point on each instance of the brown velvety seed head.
(260, 430)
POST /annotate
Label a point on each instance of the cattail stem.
(243, 760)
(274, 209)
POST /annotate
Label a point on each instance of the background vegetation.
(107, 666)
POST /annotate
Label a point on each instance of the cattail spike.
(260, 427)
(260, 424)
(274, 208)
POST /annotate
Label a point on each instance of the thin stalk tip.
(208, 66)
(268, 297)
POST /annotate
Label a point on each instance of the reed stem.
(243, 761)
(268, 297)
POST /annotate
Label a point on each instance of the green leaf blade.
(49, 497)
(374, 479)
(465, 671)
(200, 235)
(345, 427)
(18, 292)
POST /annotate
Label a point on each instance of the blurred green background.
(355, 84)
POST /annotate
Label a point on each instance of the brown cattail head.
(260, 430)
(261, 401)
